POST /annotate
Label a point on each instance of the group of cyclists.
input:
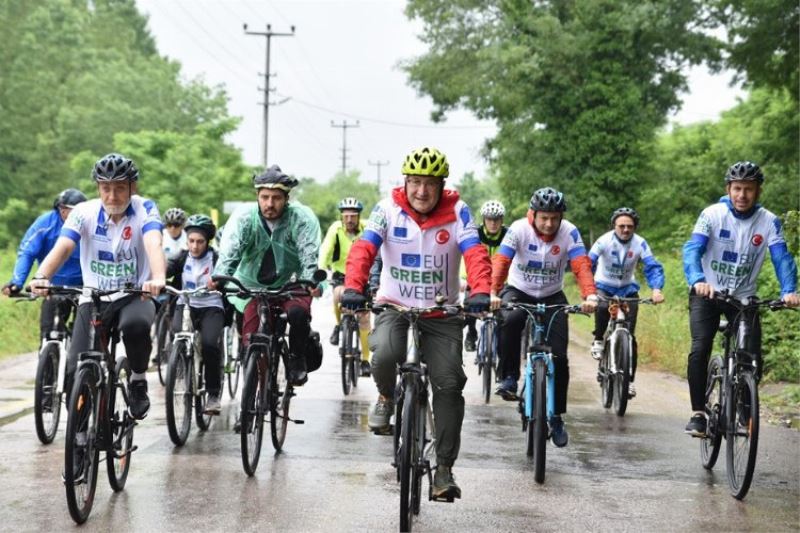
(419, 247)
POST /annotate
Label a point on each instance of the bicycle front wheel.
(407, 460)
(46, 400)
(281, 394)
(742, 433)
(622, 377)
(709, 446)
(252, 414)
(120, 428)
(605, 378)
(203, 420)
(233, 362)
(179, 394)
(539, 423)
(346, 352)
(81, 455)
(355, 351)
(163, 344)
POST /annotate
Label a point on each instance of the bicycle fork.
(551, 400)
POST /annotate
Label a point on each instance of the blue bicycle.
(537, 400)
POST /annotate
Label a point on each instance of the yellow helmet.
(426, 162)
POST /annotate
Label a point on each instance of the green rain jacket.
(248, 251)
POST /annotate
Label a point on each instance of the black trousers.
(511, 335)
(52, 306)
(704, 316)
(209, 321)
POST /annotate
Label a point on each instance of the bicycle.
(185, 375)
(486, 356)
(163, 336)
(48, 391)
(232, 354)
(615, 368)
(350, 349)
(537, 398)
(97, 411)
(731, 404)
(266, 389)
(413, 416)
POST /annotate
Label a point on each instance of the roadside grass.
(19, 320)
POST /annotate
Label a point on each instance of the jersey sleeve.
(73, 227)
(694, 249)
(152, 219)
(782, 260)
(653, 270)
(475, 255)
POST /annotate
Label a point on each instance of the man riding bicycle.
(491, 233)
(726, 252)
(264, 246)
(191, 270)
(614, 258)
(333, 256)
(174, 235)
(539, 247)
(120, 234)
(422, 231)
(40, 238)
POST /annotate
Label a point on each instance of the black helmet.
(744, 171)
(274, 178)
(69, 198)
(628, 212)
(203, 223)
(115, 167)
(548, 199)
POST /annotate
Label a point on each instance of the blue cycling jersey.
(40, 238)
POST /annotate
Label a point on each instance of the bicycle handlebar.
(624, 299)
(190, 292)
(752, 303)
(450, 310)
(289, 289)
(90, 292)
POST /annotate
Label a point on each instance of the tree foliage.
(323, 198)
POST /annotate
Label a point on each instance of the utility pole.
(378, 164)
(344, 125)
(269, 34)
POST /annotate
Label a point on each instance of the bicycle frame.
(534, 331)
(494, 340)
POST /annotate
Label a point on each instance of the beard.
(116, 210)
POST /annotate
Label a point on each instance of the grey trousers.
(441, 341)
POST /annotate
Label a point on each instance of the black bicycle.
(266, 389)
(350, 349)
(732, 404)
(97, 411)
(163, 336)
(414, 424)
(487, 358)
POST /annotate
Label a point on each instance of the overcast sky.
(341, 64)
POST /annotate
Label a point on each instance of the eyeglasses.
(625, 226)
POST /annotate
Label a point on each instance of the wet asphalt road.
(639, 473)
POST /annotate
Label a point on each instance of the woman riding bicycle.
(540, 246)
(191, 269)
(614, 258)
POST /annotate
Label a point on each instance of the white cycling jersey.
(173, 246)
(537, 267)
(196, 273)
(735, 247)
(616, 262)
(113, 254)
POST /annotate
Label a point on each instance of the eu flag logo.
(104, 255)
(724, 234)
(400, 232)
(534, 264)
(730, 257)
(532, 247)
(411, 260)
(100, 230)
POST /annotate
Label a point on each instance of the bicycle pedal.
(298, 421)
(444, 498)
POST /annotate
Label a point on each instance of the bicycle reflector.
(614, 308)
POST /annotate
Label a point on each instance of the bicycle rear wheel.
(346, 352)
(178, 394)
(163, 343)
(539, 422)
(743, 424)
(81, 455)
(406, 456)
(46, 400)
(355, 351)
(120, 425)
(280, 398)
(485, 358)
(605, 377)
(709, 446)
(622, 377)
(252, 414)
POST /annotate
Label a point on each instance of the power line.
(378, 164)
(344, 125)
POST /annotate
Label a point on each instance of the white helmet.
(493, 209)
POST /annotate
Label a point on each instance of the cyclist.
(491, 233)
(40, 238)
(725, 252)
(333, 256)
(121, 245)
(614, 258)
(264, 246)
(540, 247)
(174, 235)
(422, 231)
(192, 269)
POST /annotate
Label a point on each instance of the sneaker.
(366, 369)
(381, 413)
(558, 433)
(444, 484)
(213, 404)
(470, 341)
(237, 425)
(597, 350)
(696, 426)
(631, 390)
(297, 375)
(508, 389)
(335, 335)
(139, 401)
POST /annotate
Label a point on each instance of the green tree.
(323, 198)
